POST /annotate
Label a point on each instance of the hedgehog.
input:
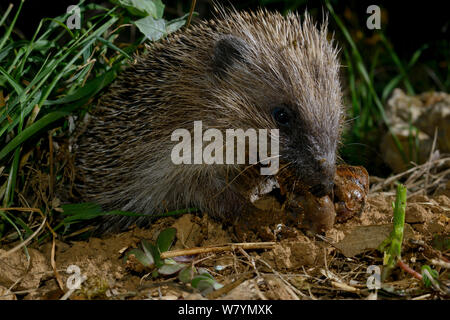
(256, 69)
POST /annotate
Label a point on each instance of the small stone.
(415, 213)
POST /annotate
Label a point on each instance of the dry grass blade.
(419, 178)
(24, 243)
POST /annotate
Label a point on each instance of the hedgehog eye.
(281, 116)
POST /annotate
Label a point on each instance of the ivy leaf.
(176, 24)
(142, 8)
(153, 29)
(159, 8)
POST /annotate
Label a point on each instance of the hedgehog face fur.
(242, 70)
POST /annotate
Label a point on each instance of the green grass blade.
(398, 63)
(6, 14)
(10, 28)
(46, 120)
(16, 86)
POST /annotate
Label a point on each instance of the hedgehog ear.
(227, 51)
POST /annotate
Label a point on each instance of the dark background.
(409, 24)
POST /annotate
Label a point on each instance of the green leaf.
(398, 63)
(176, 24)
(392, 84)
(143, 257)
(205, 286)
(168, 269)
(143, 8)
(140, 8)
(43, 45)
(5, 15)
(205, 283)
(101, 82)
(199, 278)
(17, 87)
(205, 273)
(11, 26)
(87, 211)
(187, 274)
(16, 115)
(153, 29)
(148, 247)
(426, 280)
(165, 239)
(159, 8)
(89, 89)
(87, 208)
(114, 47)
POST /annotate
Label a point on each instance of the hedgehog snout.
(324, 174)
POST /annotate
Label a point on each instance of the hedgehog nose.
(325, 172)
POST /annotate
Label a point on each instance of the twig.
(52, 259)
(392, 179)
(294, 292)
(230, 247)
(433, 147)
(440, 263)
(344, 287)
(422, 297)
(409, 270)
(259, 278)
(191, 12)
(227, 288)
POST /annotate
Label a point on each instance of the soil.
(298, 265)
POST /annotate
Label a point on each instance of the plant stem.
(392, 246)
